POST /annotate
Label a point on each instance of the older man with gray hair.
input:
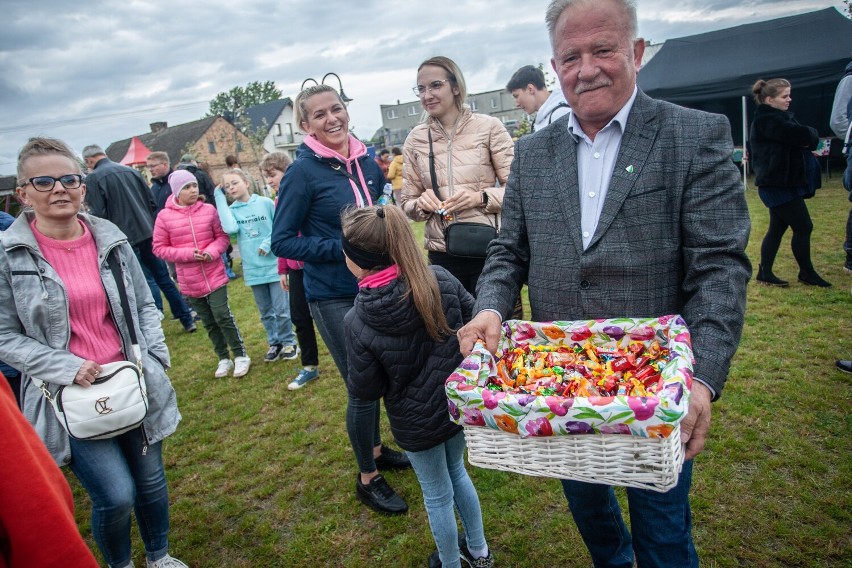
(625, 206)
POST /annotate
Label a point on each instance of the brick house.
(209, 140)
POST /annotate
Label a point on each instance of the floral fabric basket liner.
(498, 422)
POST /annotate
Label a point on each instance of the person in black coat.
(401, 345)
(779, 153)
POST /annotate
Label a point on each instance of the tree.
(549, 80)
(231, 104)
(848, 4)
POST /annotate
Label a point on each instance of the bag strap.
(554, 109)
(435, 178)
(115, 267)
(361, 191)
(432, 165)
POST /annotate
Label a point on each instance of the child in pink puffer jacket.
(189, 234)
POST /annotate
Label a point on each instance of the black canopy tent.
(714, 70)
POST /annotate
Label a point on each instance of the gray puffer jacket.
(391, 356)
(35, 329)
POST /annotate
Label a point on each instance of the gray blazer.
(671, 236)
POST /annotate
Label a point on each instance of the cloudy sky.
(96, 72)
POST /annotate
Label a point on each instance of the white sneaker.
(241, 366)
(166, 562)
(224, 368)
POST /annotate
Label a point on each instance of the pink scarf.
(380, 278)
(357, 149)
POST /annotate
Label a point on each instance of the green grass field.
(262, 476)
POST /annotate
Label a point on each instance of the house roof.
(265, 114)
(808, 50)
(173, 140)
(7, 185)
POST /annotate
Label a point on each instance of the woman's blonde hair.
(385, 229)
(771, 88)
(300, 105)
(454, 74)
(42, 146)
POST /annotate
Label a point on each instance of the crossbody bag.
(462, 238)
(117, 401)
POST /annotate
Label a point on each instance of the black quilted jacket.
(391, 356)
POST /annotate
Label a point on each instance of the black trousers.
(467, 270)
(300, 315)
(795, 216)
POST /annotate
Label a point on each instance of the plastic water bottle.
(386, 198)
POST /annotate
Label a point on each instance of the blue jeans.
(119, 479)
(152, 284)
(160, 272)
(273, 304)
(661, 522)
(362, 416)
(444, 481)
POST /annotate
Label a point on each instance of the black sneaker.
(392, 459)
(844, 365)
(435, 558)
(190, 327)
(273, 353)
(813, 279)
(481, 562)
(379, 496)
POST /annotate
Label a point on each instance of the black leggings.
(794, 215)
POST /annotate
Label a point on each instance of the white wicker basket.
(611, 459)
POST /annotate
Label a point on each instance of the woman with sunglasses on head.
(332, 172)
(470, 155)
(65, 321)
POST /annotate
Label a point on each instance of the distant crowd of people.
(333, 253)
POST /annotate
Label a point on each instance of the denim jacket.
(35, 329)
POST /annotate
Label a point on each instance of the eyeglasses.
(46, 183)
(152, 166)
(433, 87)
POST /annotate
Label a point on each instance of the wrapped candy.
(582, 370)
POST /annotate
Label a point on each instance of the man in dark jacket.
(120, 195)
(160, 168)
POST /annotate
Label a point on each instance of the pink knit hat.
(178, 180)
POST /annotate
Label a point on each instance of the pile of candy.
(575, 370)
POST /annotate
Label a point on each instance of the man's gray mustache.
(582, 88)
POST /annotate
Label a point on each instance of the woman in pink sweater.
(189, 234)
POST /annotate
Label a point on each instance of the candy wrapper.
(479, 395)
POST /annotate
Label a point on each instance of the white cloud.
(105, 70)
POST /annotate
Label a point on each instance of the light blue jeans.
(273, 303)
(444, 481)
(119, 479)
(661, 523)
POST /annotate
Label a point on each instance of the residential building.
(399, 119)
(273, 122)
(209, 140)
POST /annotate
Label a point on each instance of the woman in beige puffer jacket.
(472, 154)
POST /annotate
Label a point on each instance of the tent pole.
(745, 140)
